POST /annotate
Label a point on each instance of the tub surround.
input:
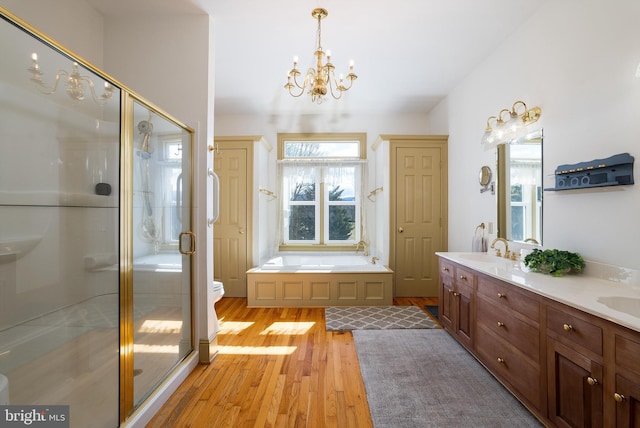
(317, 280)
(616, 299)
(566, 347)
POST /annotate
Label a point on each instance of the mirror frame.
(501, 171)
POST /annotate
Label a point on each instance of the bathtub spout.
(364, 246)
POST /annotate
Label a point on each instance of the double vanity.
(568, 348)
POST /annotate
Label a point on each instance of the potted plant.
(554, 262)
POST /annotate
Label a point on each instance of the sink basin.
(628, 305)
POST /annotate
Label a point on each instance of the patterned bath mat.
(339, 318)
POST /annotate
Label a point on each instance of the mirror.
(484, 177)
(520, 189)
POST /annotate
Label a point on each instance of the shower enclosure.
(95, 241)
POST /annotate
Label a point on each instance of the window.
(171, 176)
(321, 180)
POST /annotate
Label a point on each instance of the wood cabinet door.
(627, 396)
(575, 387)
(463, 324)
(446, 302)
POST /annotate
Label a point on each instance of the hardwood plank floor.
(276, 367)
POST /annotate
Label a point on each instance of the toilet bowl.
(4, 390)
(215, 291)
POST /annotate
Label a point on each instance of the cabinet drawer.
(505, 295)
(568, 325)
(500, 321)
(465, 277)
(446, 268)
(628, 353)
(506, 363)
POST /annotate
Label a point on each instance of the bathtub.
(319, 280)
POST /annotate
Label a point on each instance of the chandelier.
(74, 80)
(316, 81)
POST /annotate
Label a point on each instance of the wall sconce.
(74, 80)
(510, 129)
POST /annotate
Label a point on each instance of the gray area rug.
(424, 378)
(340, 318)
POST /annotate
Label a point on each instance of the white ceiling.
(409, 54)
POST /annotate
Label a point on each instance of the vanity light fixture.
(74, 80)
(317, 80)
(513, 128)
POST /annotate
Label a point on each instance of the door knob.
(400, 230)
(241, 231)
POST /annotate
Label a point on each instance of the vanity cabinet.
(508, 338)
(456, 300)
(574, 368)
(626, 390)
(569, 367)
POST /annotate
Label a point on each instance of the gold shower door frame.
(126, 234)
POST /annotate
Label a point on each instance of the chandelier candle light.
(74, 80)
(317, 80)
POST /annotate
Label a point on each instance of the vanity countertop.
(614, 301)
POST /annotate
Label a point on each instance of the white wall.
(73, 23)
(577, 61)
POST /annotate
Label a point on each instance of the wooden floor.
(276, 367)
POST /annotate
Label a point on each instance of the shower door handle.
(192, 241)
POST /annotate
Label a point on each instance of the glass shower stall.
(95, 235)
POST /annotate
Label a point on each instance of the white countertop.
(614, 301)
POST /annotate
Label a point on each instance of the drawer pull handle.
(446, 269)
(618, 397)
(500, 324)
(463, 277)
(592, 381)
(567, 327)
(501, 360)
(502, 296)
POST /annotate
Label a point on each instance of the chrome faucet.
(374, 260)
(364, 247)
(506, 247)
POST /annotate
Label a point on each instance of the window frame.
(322, 242)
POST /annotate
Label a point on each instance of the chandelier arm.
(332, 81)
(48, 91)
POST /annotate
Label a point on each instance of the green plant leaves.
(554, 262)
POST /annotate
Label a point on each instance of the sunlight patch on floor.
(160, 326)
(233, 327)
(288, 328)
(256, 350)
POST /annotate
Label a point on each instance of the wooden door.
(627, 397)
(418, 207)
(232, 230)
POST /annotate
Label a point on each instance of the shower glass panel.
(161, 271)
(59, 231)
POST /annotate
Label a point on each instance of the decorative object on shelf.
(554, 262)
(74, 80)
(511, 129)
(616, 170)
(317, 80)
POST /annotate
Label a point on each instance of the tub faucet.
(364, 247)
(506, 247)
(374, 260)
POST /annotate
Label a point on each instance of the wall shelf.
(616, 170)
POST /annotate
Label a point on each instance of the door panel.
(230, 230)
(417, 220)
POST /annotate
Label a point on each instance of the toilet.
(4, 390)
(215, 291)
